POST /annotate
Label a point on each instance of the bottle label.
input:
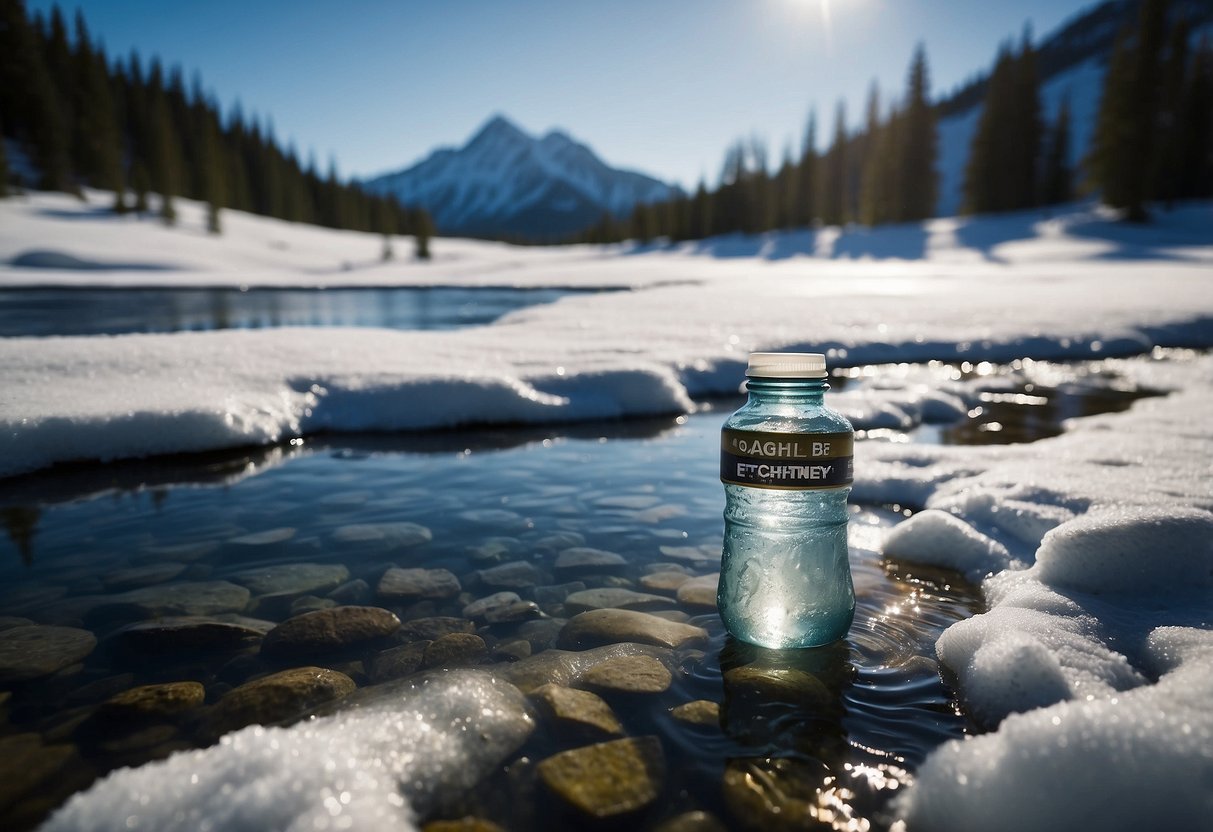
(786, 460)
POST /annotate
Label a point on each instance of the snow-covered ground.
(1092, 669)
(1072, 285)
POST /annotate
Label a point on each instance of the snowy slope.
(1079, 85)
(506, 182)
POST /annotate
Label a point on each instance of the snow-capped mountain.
(504, 182)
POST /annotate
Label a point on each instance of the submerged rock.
(700, 592)
(154, 701)
(383, 536)
(190, 598)
(139, 576)
(568, 668)
(596, 627)
(667, 581)
(607, 779)
(398, 662)
(434, 627)
(263, 538)
(696, 821)
(329, 629)
(30, 769)
(399, 583)
(578, 711)
(275, 698)
(517, 574)
(33, 651)
(613, 598)
(583, 559)
(480, 608)
(292, 578)
(351, 592)
(466, 824)
(629, 674)
(164, 635)
(454, 650)
(698, 712)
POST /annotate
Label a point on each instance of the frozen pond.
(93, 311)
(178, 568)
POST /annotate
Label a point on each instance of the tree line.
(1153, 141)
(884, 172)
(116, 125)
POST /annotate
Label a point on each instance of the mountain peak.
(505, 182)
(499, 124)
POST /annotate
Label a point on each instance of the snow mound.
(942, 539)
(1141, 552)
(1093, 667)
(371, 767)
(1136, 760)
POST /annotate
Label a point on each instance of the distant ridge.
(507, 183)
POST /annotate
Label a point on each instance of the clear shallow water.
(822, 736)
(91, 311)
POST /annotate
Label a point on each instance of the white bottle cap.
(787, 365)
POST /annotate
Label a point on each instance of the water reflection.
(101, 311)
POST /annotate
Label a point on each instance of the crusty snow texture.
(1093, 668)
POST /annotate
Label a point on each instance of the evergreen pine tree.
(1120, 162)
(834, 176)
(728, 209)
(882, 181)
(916, 187)
(1195, 149)
(423, 229)
(3, 164)
(141, 183)
(96, 142)
(1028, 126)
(29, 99)
(990, 170)
(869, 147)
(701, 213)
(786, 195)
(1057, 185)
(759, 194)
(1166, 175)
(807, 186)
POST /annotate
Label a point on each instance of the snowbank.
(1094, 665)
(365, 768)
(1071, 288)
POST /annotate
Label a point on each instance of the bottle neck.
(788, 390)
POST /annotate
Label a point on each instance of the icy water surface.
(179, 567)
(92, 311)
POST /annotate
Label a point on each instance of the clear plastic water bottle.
(785, 580)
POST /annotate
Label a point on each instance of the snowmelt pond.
(101, 311)
(164, 603)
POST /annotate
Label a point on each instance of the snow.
(1062, 286)
(1093, 666)
(1092, 669)
(369, 767)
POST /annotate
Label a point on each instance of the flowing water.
(771, 739)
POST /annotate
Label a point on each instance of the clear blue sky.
(661, 86)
